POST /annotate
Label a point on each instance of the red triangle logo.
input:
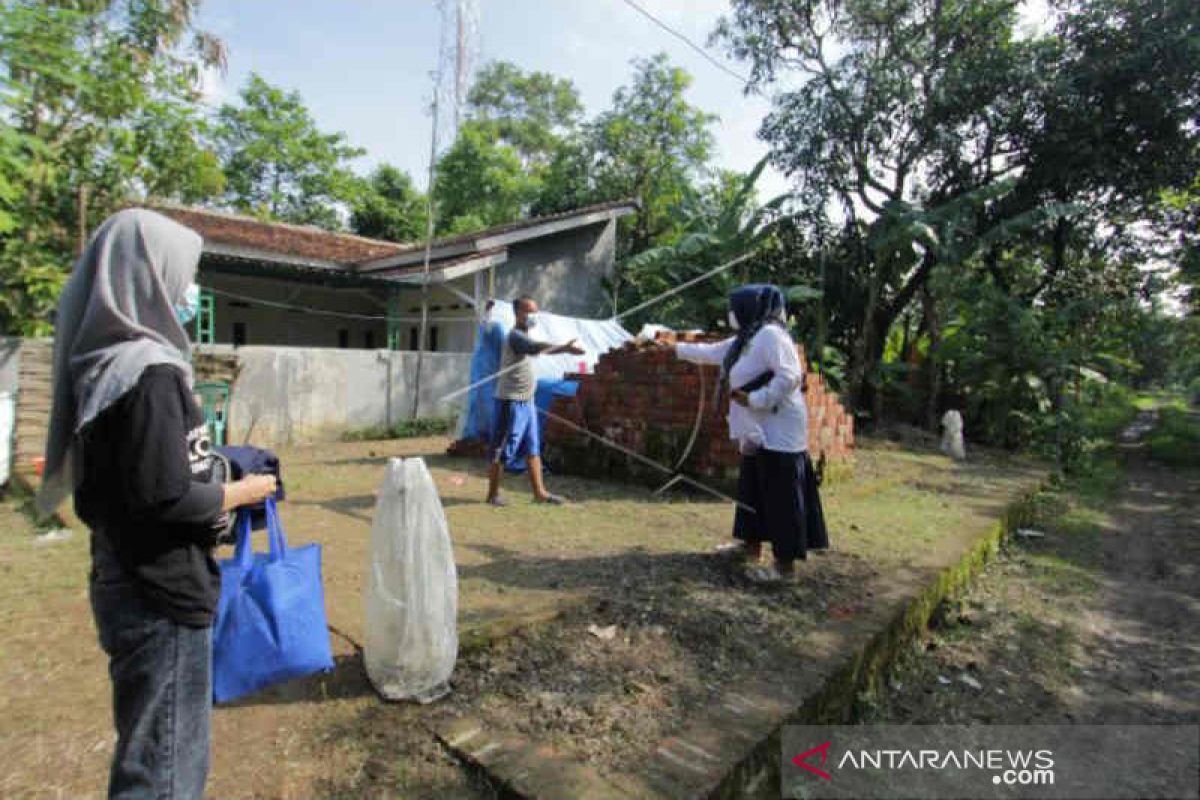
(801, 760)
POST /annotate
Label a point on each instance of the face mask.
(531, 321)
(733, 322)
(186, 311)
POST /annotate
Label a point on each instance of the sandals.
(736, 551)
(549, 500)
(768, 575)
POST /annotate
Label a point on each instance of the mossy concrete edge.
(863, 675)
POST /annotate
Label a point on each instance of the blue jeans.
(162, 690)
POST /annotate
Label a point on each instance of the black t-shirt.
(144, 492)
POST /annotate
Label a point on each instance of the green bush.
(1176, 440)
(406, 429)
(1088, 425)
(1109, 409)
(1193, 392)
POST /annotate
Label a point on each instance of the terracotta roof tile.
(341, 248)
(276, 237)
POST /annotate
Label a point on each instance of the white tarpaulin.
(596, 337)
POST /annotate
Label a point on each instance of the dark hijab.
(754, 305)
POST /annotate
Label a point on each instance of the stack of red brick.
(643, 398)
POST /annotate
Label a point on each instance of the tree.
(278, 164)
(389, 207)
(904, 104)
(917, 107)
(100, 107)
(516, 123)
(652, 145)
(1181, 212)
(479, 183)
(720, 222)
(529, 112)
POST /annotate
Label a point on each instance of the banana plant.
(715, 231)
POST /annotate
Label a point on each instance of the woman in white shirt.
(761, 371)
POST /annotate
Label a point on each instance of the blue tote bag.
(270, 624)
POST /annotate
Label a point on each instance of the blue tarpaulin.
(477, 417)
(594, 336)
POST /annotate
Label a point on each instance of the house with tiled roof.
(268, 283)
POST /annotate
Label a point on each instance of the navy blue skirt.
(782, 490)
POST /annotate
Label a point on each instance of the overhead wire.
(326, 312)
(745, 81)
(677, 477)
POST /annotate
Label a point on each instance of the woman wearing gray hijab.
(127, 438)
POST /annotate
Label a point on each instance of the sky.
(364, 67)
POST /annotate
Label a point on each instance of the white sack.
(7, 422)
(412, 588)
(952, 435)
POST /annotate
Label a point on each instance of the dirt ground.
(618, 561)
(1097, 622)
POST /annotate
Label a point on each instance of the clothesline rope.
(329, 313)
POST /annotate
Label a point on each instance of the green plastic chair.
(214, 401)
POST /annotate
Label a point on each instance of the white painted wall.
(10, 348)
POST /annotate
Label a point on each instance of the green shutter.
(206, 318)
(394, 329)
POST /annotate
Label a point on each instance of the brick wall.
(34, 371)
(643, 398)
(35, 364)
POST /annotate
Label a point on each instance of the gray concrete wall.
(287, 396)
(10, 362)
(564, 273)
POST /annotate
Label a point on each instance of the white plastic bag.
(7, 420)
(412, 589)
(952, 435)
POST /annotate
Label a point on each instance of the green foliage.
(1098, 129)
(523, 150)
(995, 189)
(389, 207)
(278, 164)
(99, 102)
(1193, 392)
(1181, 214)
(480, 182)
(719, 223)
(516, 126)
(1176, 440)
(652, 144)
(405, 429)
(529, 112)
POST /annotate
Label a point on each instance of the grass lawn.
(618, 556)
